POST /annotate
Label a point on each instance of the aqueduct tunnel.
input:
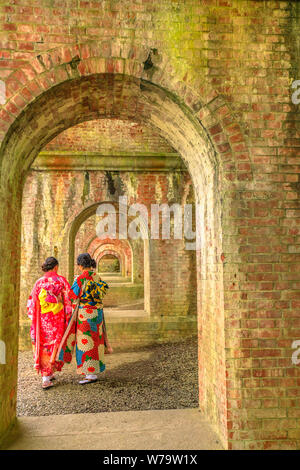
(109, 263)
(213, 80)
(69, 175)
(151, 106)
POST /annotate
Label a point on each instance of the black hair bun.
(84, 260)
(49, 264)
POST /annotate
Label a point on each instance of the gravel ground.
(157, 378)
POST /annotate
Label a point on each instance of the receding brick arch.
(81, 217)
(108, 251)
(126, 97)
(123, 248)
(113, 253)
(77, 221)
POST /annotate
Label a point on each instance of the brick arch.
(128, 97)
(65, 63)
(79, 218)
(94, 243)
(125, 263)
(123, 248)
(110, 252)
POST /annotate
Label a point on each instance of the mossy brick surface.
(213, 79)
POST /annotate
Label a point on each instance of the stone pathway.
(157, 378)
(147, 399)
(138, 430)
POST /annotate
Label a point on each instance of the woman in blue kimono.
(86, 330)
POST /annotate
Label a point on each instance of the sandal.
(46, 385)
(87, 381)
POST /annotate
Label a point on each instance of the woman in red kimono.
(49, 309)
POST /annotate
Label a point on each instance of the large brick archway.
(126, 97)
(63, 63)
(215, 79)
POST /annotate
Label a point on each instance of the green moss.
(86, 187)
(178, 23)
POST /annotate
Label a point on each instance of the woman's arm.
(108, 347)
(99, 290)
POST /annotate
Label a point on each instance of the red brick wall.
(228, 64)
(112, 137)
(53, 199)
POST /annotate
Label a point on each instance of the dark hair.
(49, 264)
(93, 264)
(84, 260)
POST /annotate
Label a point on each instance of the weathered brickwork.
(122, 249)
(212, 77)
(51, 202)
(110, 137)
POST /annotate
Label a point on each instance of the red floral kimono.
(49, 309)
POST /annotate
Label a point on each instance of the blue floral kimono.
(86, 329)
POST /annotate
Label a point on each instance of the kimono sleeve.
(66, 296)
(75, 289)
(100, 290)
(31, 303)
